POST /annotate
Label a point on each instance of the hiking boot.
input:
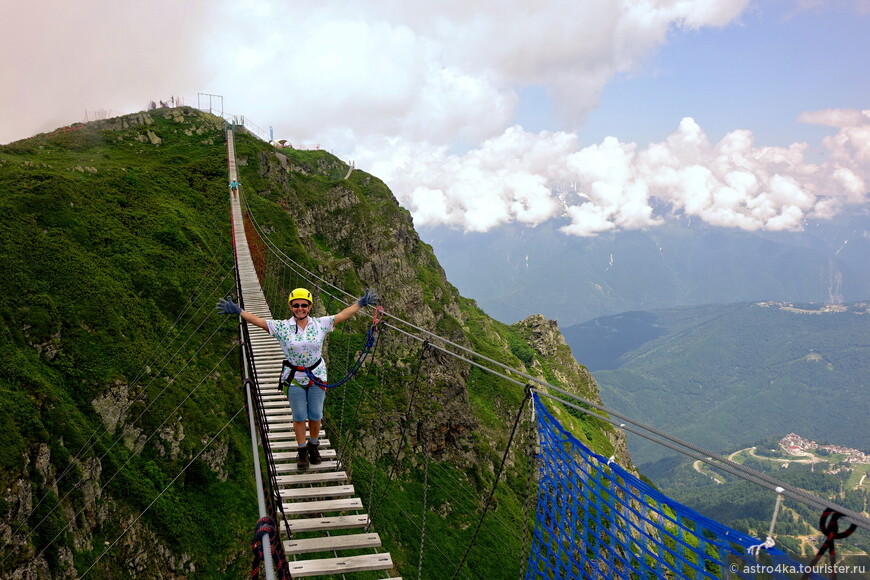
(302, 458)
(313, 453)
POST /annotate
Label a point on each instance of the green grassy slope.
(104, 240)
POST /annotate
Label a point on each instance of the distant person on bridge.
(234, 186)
(301, 339)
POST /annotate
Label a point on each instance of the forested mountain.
(724, 375)
(124, 443)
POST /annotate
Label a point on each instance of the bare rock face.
(171, 435)
(112, 404)
(215, 456)
(44, 468)
(545, 337)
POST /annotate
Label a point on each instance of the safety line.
(174, 479)
(102, 430)
(136, 453)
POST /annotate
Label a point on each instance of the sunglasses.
(300, 305)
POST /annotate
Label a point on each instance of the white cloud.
(838, 118)
(64, 58)
(519, 176)
(407, 87)
(336, 72)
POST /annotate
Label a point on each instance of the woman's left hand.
(368, 298)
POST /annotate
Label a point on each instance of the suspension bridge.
(592, 518)
(320, 489)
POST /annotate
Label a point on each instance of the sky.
(606, 115)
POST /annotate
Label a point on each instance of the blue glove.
(228, 307)
(368, 298)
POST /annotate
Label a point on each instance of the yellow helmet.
(300, 293)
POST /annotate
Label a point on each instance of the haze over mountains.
(682, 263)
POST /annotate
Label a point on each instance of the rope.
(168, 485)
(531, 496)
(829, 526)
(266, 526)
(404, 433)
(380, 413)
(769, 542)
(424, 440)
(488, 502)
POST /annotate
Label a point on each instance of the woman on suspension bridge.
(301, 339)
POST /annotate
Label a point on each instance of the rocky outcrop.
(544, 336)
(112, 404)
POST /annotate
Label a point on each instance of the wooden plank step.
(275, 446)
(280, 422)
(300, 525)
(323, 506)
(291, 467)
(290, 442)
(281, 429)
(288, 428)
(274, 416)
(276, 396)
(290, 435)
(307, 478)
(306, 568)
(290, 445)
(316, 492)
(330, 543)
(291, 455)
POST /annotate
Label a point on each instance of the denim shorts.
(307, 404)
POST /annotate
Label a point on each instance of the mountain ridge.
(677, 264)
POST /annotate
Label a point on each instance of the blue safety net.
(596, 520)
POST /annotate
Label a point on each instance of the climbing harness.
(371, 337)
(290, 380)
(828, 526)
